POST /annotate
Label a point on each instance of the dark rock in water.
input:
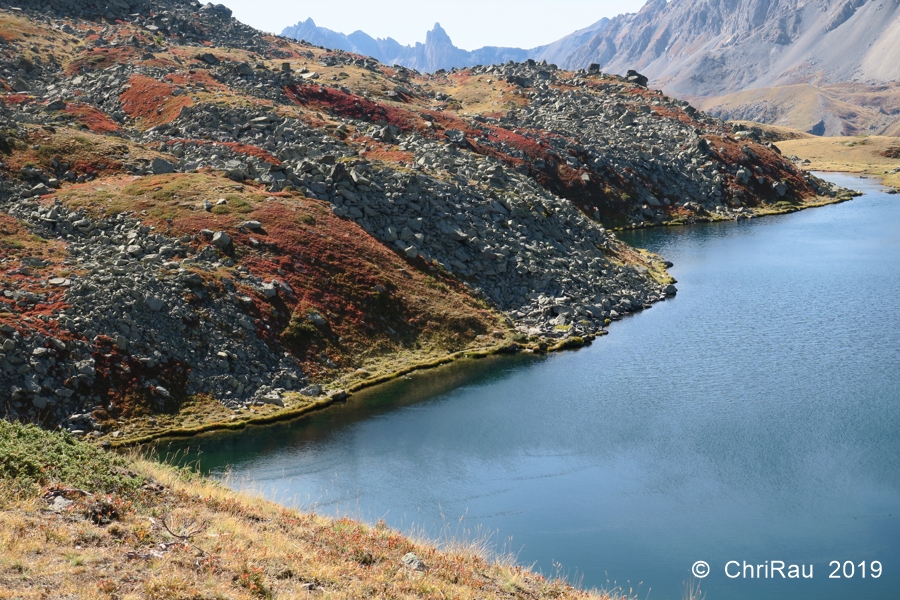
(635, 77)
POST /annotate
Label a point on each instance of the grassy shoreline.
(296, 407)
(868, 155)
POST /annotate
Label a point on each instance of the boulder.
(635, 77)
(411, 561)
(161, 166)
(154, 303)
(219, 10)
(220, 239)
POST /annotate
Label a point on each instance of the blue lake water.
(755, 417)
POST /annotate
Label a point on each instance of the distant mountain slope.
(716, 47)
(822, 66)
(438, 51)
(830, 110)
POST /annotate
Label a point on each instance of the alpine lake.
(754, 419)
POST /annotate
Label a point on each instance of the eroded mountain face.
(191, 208)
(746, 54)
(715, 47)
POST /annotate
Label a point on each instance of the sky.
(515, 23)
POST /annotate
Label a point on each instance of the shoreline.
(754, 213)
(294, 411)
(337, 393)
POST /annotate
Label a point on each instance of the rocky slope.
(193, 209)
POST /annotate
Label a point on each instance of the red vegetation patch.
(731, 151)
(197, 78)
(102, 58)
(246, 149)
(893, 152)
(251, 151)
(353, 106)
(152, 101)
(92, 118)
(18, 99)
(359, 286)
(388, 155)
(34, 304)
(123, 381)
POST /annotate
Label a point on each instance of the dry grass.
(858, 107)
(179, 535)
(849, 154)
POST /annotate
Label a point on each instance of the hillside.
(204, 225)
(88, 524)
(840, 109)
(776, 62)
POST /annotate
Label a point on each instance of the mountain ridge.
(739, 60)
(438, 51)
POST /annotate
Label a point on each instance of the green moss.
(569, 343)
(300, 335)
(236, 204)
(31, 457)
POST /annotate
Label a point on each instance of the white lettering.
(728, 573)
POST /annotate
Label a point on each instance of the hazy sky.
(520, 23)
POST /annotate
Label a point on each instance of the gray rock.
(153, 303)
(312, 391)
(316, 319)
(221, 239)
(160, 166)
(411, 561)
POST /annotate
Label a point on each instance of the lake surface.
(755, 417)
